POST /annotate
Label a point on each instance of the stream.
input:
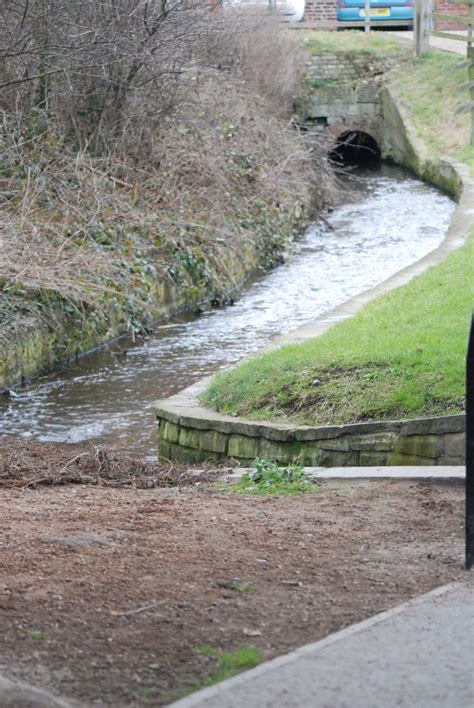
(390, 220)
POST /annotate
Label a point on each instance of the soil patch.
(107, 594)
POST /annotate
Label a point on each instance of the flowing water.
(390, 220)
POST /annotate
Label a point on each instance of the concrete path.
(440, 473)
(417, 655)
(449, 45)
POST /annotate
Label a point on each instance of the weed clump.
(266, 477)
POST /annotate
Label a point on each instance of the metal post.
(470, 450)
(367, 16)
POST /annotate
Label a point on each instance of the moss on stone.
(189, 438)
(427, 446)
(213, 441)
(287, 452)
(397, 459)
(170, 432)
(241, 446)
(373, 459)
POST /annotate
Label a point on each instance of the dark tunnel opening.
(354, 147)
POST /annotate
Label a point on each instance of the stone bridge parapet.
(343, 93)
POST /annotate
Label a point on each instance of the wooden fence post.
(470, 450)
(470, 68)
(422, 42)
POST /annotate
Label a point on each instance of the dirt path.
(106, 594)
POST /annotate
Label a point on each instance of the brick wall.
(320, 11)
(450, 9)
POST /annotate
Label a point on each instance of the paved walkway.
(433, 473)
(449, 45)
(417, 655)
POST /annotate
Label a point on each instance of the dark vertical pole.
(470, 450)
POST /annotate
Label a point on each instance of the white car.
(290, 10)
(293, 10)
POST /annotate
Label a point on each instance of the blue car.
(393, 10)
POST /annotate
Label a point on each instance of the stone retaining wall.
(347, 66)
(423, 441)
(343, 91)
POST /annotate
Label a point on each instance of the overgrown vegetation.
(401, 356)
(27, 464)
(145, 147)
(431, 87)
(266, 477)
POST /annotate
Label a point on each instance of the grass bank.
(403, 355)
(354, 42)
(430, 87)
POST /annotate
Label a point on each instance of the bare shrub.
(84, 61)
(134, 131)
(271, 59)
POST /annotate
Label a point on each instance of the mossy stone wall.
(32, 344)
(427, 441)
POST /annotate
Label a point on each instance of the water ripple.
(390, 221)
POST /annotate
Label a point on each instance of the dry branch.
(30, 465)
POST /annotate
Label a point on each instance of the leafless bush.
(130, 128)
(88, 62)
(271, 59)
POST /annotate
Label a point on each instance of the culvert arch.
(354, 147)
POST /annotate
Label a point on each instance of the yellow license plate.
(376, 12)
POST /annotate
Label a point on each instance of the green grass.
(430, 87)
(266, 477)
(353, 41)
(228, 665)
(402, 356)
(237, 587)
(467, 155)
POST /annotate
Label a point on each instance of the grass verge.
(354, 42)
(402, 356)
(431, 87)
